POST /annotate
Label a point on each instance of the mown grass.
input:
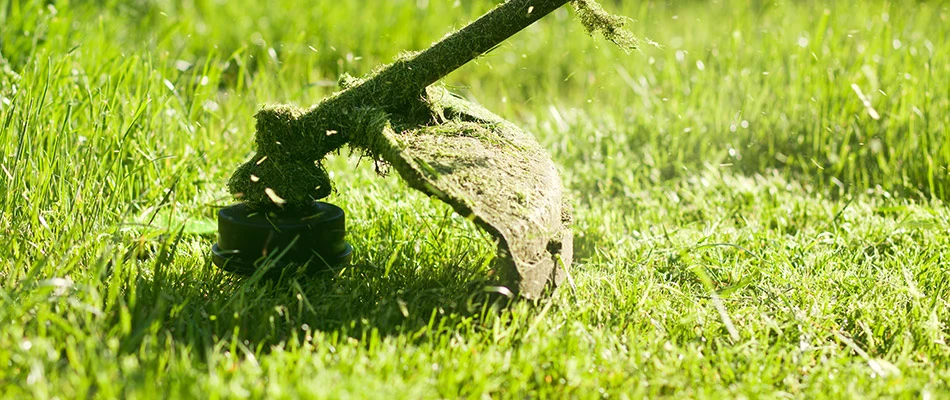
(745, 225)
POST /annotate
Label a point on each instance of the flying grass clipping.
(595, 19)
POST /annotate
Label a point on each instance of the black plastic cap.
(314, 237)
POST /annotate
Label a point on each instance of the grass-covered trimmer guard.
(486, 168)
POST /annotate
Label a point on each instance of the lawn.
(761, 205)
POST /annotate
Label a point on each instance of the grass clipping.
(596, 19)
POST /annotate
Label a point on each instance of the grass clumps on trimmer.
(483, 166)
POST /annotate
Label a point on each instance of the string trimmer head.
(486, 168)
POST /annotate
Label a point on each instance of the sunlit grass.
(759, 206)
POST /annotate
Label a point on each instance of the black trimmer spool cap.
(314, 235)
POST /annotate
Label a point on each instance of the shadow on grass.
(208, 308)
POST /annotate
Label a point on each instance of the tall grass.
(748, 224)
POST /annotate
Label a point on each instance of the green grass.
(745, 226)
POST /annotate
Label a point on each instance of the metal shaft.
(407, 78)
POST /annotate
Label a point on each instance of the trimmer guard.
(496, 174)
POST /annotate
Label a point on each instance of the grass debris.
(596, 20)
